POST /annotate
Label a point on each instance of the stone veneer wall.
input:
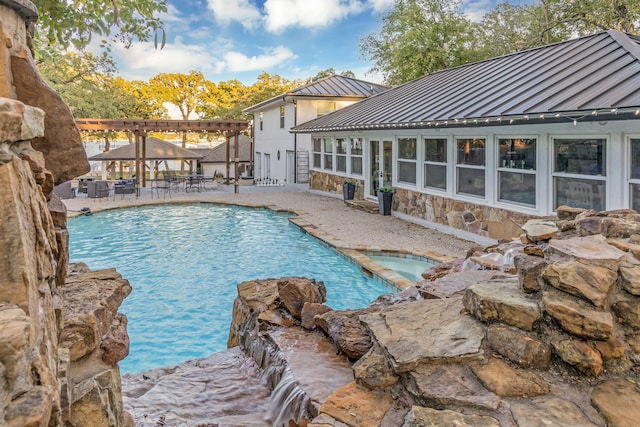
(483, 220)
(58, 351)
(330, 183)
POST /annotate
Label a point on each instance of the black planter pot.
(384, 203)
(348, 191)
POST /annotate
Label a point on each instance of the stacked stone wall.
(58, 353)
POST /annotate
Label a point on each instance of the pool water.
(184, 262)
(410, 268)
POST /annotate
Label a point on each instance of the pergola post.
(236, 160)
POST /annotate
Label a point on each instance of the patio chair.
(163, 185)
(65, 191)
(98, 189)
(127, 186)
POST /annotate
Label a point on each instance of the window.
(635, 174)
(317, 153)
(580, 172)
(407, 159)
(261, 120)
(517, 170)
(328, 153)
(325, 107)
(282, 117)
(435, 163)
(356, 155)
(470, 166)
(341, 154)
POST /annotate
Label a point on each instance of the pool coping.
(355, 253)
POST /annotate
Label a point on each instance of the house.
(283, 156)
(214, 160)
(485, 146)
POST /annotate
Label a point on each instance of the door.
(381, 165)
(267, 166)
(291, 167)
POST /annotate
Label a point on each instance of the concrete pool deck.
(324, 216)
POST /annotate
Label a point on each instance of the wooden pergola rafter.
(140, 127)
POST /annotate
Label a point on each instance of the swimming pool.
(184, 262)
(409, 267)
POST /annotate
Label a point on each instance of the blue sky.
(239, 39)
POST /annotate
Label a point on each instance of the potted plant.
(385, 198)
(348, 189)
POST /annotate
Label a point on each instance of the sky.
(240, 39)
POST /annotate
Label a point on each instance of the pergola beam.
(143, 125)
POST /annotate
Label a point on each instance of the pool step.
(363, 205)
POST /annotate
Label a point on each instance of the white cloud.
(239, 62)
(381, 5)
(475, 10)
(141, 61)
(282, 14)
(226, 11)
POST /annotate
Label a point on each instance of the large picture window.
(356, 155)
(328, 153)
(517, 170)
(407, 159)
(635, 174)
(580, 172)
(341, 154)
(470, 166)
(435, 163)
(317, 153)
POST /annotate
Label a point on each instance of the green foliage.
(385, 190)
(74, 23)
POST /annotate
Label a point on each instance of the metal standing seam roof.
(156, 149)
(597, 74)
(332, 86)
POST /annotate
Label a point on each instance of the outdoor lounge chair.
(127, 186)
(64, 190)
(98, 189)
(163, 185)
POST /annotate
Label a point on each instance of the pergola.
(140, 128)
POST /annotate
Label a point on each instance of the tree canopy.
(421, 36)
(76, 22)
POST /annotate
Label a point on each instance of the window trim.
(534, 171)
(282, 114)
(446, 165)
(404, 160)
(351, 156)
(458, 166)
(628, 172)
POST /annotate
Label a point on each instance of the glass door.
(380, 166)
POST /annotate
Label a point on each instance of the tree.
(418, 37)
(330, 72)
(588, 16)
(224, 101)
(75, 22)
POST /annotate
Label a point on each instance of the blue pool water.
(184, 262)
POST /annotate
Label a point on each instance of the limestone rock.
(591, 250)
(346, 331)
(61, 143)
(428, 417)
(628, 312)
(588, 226)
(277, 317)
(294, 292)
(309, 313)
(529, 269)
(630, 275)
(443, 333)
(442, 270)
(540, 229)
(255, 297)
(91, 303)
(505, 381)
(567, 213)
(19, 122)
(503, 301)
(31, 409)
(590, 282)
(525, 351)
(610, 349)
(580, 355)
(356, 407)
(373, 370)
(620, 227)
(15, 329)
(626, 245)
(97, 401)
(549, 412)
(115, 344)
(577, 317)
(619, 401)
(441, 386)
(454, 283)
